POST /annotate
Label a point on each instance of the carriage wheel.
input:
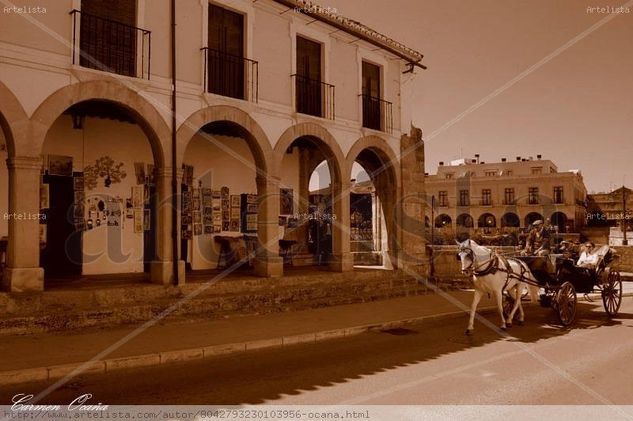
(612, 293)
(566, 303)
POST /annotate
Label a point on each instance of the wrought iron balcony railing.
(377, 114)
(314, 97)
(111, 46)
(230, 75)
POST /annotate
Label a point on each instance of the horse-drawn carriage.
(561, 279)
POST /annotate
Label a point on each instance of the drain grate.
(399, 331)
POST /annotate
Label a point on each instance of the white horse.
(493, 274)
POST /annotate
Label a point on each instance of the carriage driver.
(538, 241)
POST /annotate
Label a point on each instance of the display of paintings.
(187, 175)
(78, 182)
(208, 229)
(235, 213)
(197, 229)
(195, 203)
(293, 222)
(60, 165)
(235, 225)
(186, 234)
(187, 219)
(226, 225)
(251, 208)
(113, 213)
(197, 217)
(208, 216)
(137, 196)
(79, 197)
(186, 202)
(286, 204)
(251, 222)
(235, 201)
(138, 221)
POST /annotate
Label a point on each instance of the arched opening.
(306, 212)
(373, 199)
(443, 221)
(531, 217)
(487, 222)
(559, 222)
(98, 192)
(464, 220)
(510, 220)
(220, 198)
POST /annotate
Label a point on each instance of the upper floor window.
(533, 196)
(227, 71)
(464, 198)
(486, 197)
(537, 170)
(377, 113)
(443, 198)
(508, 172)
(449, 175)
(558, 195)
(109, 40)
(313, 96)
(491, 173)
(508, 196)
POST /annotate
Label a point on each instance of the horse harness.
(493, 265)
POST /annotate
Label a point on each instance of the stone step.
(67, 310)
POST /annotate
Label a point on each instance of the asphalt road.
(432, 363)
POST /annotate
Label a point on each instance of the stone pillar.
(162, 270)
(412, 249)
(23, 272)
(342, 260)
(267, 261)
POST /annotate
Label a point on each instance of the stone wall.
(625, 261)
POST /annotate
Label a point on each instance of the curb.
(39, 374)
(53, 372)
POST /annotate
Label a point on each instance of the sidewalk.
(53, 355)
(48, 356)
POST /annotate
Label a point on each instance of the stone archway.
(381, 164)
(317, 139)
(234, 122)
(113, 95)
(22, 272)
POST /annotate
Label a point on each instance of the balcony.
(230, 75)
(377, 114)
(110, 46)
(314, 97)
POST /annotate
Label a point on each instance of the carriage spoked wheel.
(565, 303)
(612, 293)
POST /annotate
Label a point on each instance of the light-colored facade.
(54, 105)
(506, 195)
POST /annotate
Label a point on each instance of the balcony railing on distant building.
(314, 97)
(377, 114)
(111, 46)
(230, 75)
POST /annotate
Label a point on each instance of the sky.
(575, 108)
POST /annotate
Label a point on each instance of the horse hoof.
(503, 328)
(508, 325)
(520, 323)
(468, 332)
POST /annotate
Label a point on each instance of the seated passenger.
(588, 259)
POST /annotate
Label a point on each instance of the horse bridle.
(471, 254)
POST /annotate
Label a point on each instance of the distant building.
(607, 209)
(506, 195)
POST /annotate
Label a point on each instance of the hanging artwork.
(286, 202)
(138, 221)
(147, 218)
(44, 196)
(137, 196)
(105, 168)
(60, 165)
(139, 170)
